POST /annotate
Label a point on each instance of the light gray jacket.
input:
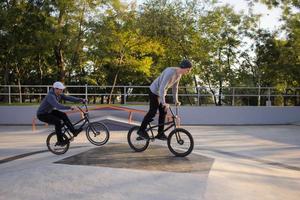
(161, 84)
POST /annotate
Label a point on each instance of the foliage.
(108, 42)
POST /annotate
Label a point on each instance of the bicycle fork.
(178, 138)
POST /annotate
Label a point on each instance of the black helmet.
(185, 64)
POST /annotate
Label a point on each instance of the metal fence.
(200, 96)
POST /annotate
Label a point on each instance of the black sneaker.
(63, 143)
(77, 131)
(139, 138)
(161, 136)
(143, 134)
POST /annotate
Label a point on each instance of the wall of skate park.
(190, 115)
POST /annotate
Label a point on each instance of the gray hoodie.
(167, 78)
(51, 101)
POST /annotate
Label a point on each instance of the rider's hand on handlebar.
(177, 103)
(73, 108)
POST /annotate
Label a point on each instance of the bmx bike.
(96, 132)
(180, 141)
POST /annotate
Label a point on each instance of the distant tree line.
(112, 43)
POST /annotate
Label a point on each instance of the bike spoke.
(136, 142)
(180, 142)
(97, 133)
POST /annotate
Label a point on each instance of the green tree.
(219, 32)
(120, 50)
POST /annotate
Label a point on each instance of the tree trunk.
(40, 69)
(297, 98)
(113, 87)
(6, 81)
(58, 49)
(220, 93)
(58, 52)
(286, 98)
(19, 83)
(220, 80)
(75, 58)
(6, 74)
(211, 90)
(20, 90)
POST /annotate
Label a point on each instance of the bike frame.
(85, 119)
(171, 123)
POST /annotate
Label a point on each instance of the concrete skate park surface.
(227, 163)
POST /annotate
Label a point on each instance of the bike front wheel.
(97, 133)
(135, 142)
(180, 142)
(52, 144)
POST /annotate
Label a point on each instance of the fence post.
(269, 97)
(125, 94)
(20, 93)
(258, 100)
(198, 95)
(9, 94)
(233, 96)
(86, 92)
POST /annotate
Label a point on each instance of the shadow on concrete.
(155, 158)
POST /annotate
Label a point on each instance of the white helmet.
(58, 85)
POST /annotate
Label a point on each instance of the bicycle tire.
(95, 131)
(58, 150)
(185, 137)
(134, 143)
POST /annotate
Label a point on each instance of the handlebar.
(84, 104)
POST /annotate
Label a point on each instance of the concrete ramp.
(116, 123)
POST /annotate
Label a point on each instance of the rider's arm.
(163, 87)
(51, 99)
(175, 91)
(71, 98)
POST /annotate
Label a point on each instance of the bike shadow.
(155, 158)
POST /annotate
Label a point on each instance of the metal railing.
(230, 96)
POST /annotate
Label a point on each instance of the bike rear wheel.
(97, 133)
(135, 142)
(51, 144)
(180, 142)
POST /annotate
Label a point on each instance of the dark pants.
(57, 117)
(154, 105)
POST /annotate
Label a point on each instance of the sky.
(270, 17)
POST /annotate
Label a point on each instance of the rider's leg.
(52, 119)
(161, 119)
(66, 120)
(154, 103)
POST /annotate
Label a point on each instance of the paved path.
(228, 162)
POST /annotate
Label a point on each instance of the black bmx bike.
(96, 132)
(180, 141)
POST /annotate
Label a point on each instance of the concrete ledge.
(190, 115)
(242, 115)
